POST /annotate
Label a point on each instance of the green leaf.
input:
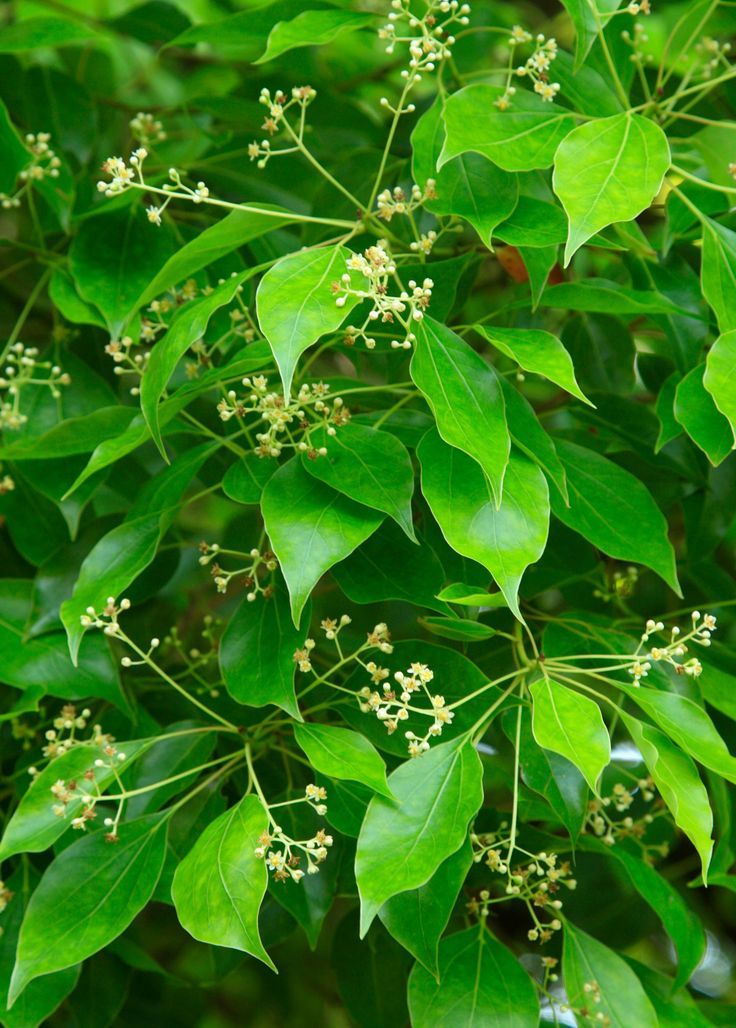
(219, 886)
(246, 32)
(87, 897)
(368, 466)
(244, 480)
(480, 983)
(41, 998)
(718, 272)
(468, 186)
(504, 540)
(341, 753)
(470, 596)
(615, 512)
(460, 629)
(186, 746)
(587, 25)
(296, 305)
(607, 170)
(311, 527)
(604, 297)
(538, 352)
(418, 918)
(534, 222)
(71, 436)
(698, 414)
(402, 843)
(69, 303)
(15, 154)
(669, 428)
(570, 724)
(622, 998)
(112, 259)
(257, 653)
(527, 433)
(311, 28)
(522, 138)
(679, 784)
(466, 399)
(187, 328)
(720, 376)
(34, 826)
(32, 33)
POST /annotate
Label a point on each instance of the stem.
(515, 802)
(387, 148)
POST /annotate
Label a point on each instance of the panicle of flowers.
(332, 628)
(63, 735)
(601, 822)
(289, 423)
(537, 881)
(147, 129)
(107, 617)
(671, 651)
(406, 309)
(77, 799)
(714, 56)
(124, 175)
(536, 67)
(258, 565)
(427, 37)
(638, 40)
(284, 855)
(394, 703)
(23, 369)
(277, 105)
(395, 201)
(43, 163)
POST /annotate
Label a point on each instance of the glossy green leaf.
(521, 138)
(257, 653)
(244, 480)
(614, 511)
(571, 724)
(622, 998)
(718, 272)
(504, 540)
(35, 826)
(403, 842)
(459, 629)
(418, 918)
(339, 753)
(480, 983)
(466, 399)
(219, 886)
(587, 24)
(698, 414)
(32, 33)
(601, 296)
(528, 434)
(538, 352)
(678, 781)
(95, 889)
(369, 466)
(720, 376)
(470, 596)
(311, 28)
(296, 305)
(311, 527)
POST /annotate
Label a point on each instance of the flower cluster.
(128, 174)
(44, 163)
(107, 618)
(22, 370)
(147, 129)
(714, 55)
(290, 423)
(278, 105)
(394, 704)
(283, 855)
(79, 799)
(62, 736)
(536, 881)
(610, 830)
(407, 308)
(257, 564)
(584, 1006)
(702, 628)
(427, 36)
(395, 201)
(536, 68)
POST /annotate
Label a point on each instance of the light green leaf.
(34, 826)
(481, 983)
(459, 629)
(720, 376)
(32, 33)
(72, 436)
(341, 753)
(570, 724)
(601, 296)
(15, 155)
(418, 918)
(521, 138)
(311, 527)
(608, 170)
(538, 352)
(698, 414)
(245, 479)
(402, 843)
(257, 653)
(587, 25)
(466, 399)
(87, 897)
(296, 305)
(615, 512)
(718, 272)
(188, 327)
(679, 784)
(622, 998)
(219, 886)
(311, 28)
(527, 433)
(63, 294)
(505, 540)
(369, 466)
(470, 596)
